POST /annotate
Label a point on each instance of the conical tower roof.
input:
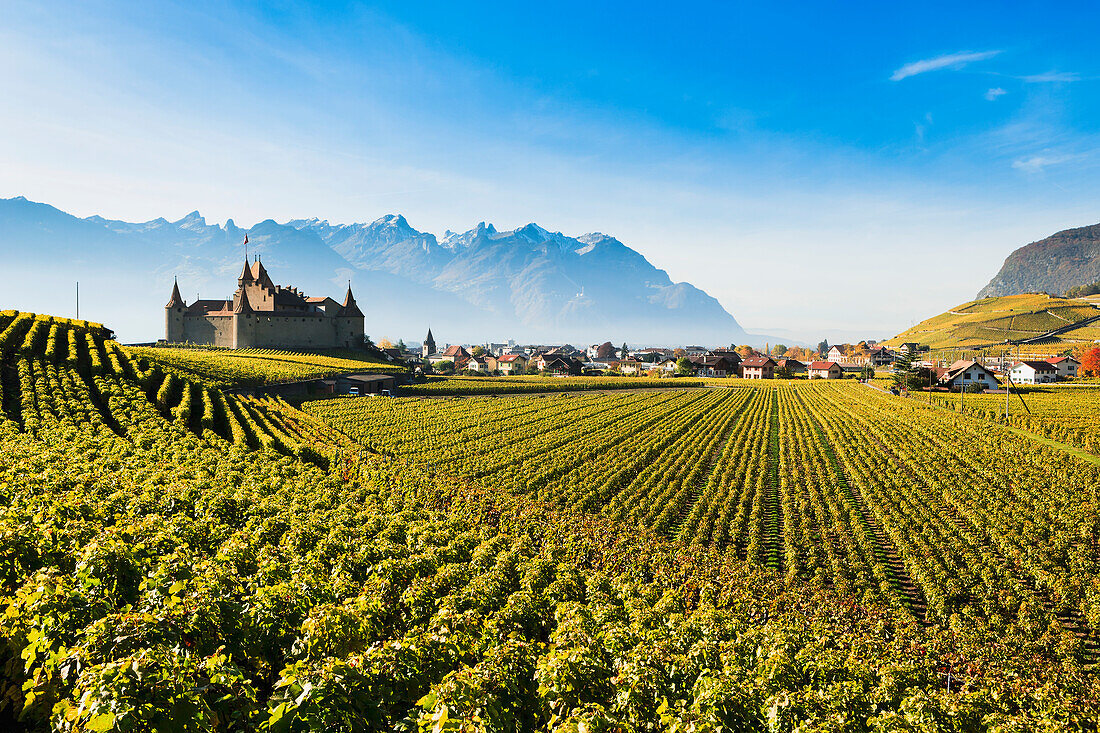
(350, 309)
(246, 274)
(243, 306)
(259, 274)
(176, 301)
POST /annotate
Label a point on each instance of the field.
(993, 320)
(220, 367)
(789, 556)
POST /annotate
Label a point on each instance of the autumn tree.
(779, 350)
(745, 351)
(1090, 362)
(478, 351)
(385, 343)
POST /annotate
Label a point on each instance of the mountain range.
(1053, 265)
(482, 284)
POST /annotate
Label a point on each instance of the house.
(729, 355)
(652, 355)
(712, 366)
(792, 365)
(512, 364)
(963, 373)
(758, 367)
(632, 366)
(825, 369)
(455, 354)
(668, 366)
(695, 351)
(1067, 366)
(1033, 372)
(909, 348)
(835, 354)
(880, 356)
(485, 364)
(606, 350)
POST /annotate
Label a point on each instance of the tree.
(624, 352)
(478, 351)
(679, 353)
(401, 347)
(779, 350)
(784, 372)
(385, 343)
(903, 370)
(445, 366)
(684, 367)
(1090, 362)
(745, 351)
(823, 347)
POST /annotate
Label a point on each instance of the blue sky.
(823, 168)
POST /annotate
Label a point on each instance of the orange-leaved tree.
(1090, 362)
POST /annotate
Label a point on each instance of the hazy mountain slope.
(126, 270)
(552, 285)
(1052, 265)
(529, 284)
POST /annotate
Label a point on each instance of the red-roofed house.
(825, 370)
(1067, 366)
(512, 364)
(758, 367)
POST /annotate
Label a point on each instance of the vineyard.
(834, 485)
(464, 386)
(222, 367)
(1068, 415)
(994, 320)
(784, 557)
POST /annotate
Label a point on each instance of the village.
(848, 361)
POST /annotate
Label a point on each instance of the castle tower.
(243, 321)
(349, 323)
(429, 345)
(173, 316)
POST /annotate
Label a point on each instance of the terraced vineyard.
(993, 320)
(774, 557)
(222, 367)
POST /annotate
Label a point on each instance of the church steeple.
(350, 309)
(429, 344)
(176, 301)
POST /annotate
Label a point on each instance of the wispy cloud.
(995, 92)
(1037, 163)
(947, 61)
(1052, 76)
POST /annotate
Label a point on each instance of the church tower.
(429, 345)
(173, 316)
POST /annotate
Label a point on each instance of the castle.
(264, 315)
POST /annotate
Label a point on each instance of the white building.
(1067, 366)
(962, 374)
(1033, 372)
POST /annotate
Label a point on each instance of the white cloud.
(994, 93)
(947, 61)
(1036, 163)
(1052, 76)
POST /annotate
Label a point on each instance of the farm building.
(758, 367)
(962, 374)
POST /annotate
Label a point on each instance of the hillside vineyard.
(769, 557)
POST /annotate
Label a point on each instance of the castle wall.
(216, 330)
